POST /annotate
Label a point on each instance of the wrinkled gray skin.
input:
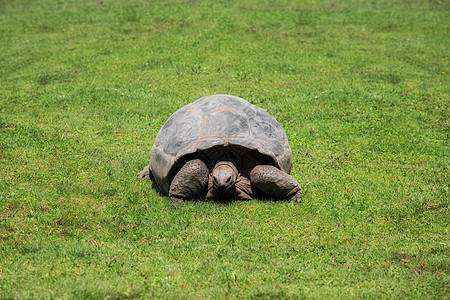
(222, 147)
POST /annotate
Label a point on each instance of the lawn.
(361, 88)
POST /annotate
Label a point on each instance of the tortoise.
(222, 147)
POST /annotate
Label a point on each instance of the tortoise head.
(224, 175)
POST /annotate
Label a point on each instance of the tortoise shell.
(214, 121)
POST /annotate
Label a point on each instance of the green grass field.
(361, 88)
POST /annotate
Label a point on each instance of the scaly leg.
(191, 182)
(276, 183)
(146, 173)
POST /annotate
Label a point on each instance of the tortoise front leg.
(276, 183)
(191, 182)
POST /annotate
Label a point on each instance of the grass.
(361, 88)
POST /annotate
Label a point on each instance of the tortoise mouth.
(223, 187)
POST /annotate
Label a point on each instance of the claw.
(146, 173)
(297, 197)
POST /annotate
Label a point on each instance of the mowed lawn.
(361, 88)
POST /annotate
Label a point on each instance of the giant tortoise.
(222, 147)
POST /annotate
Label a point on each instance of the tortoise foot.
(276, 183)
(191, 182)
